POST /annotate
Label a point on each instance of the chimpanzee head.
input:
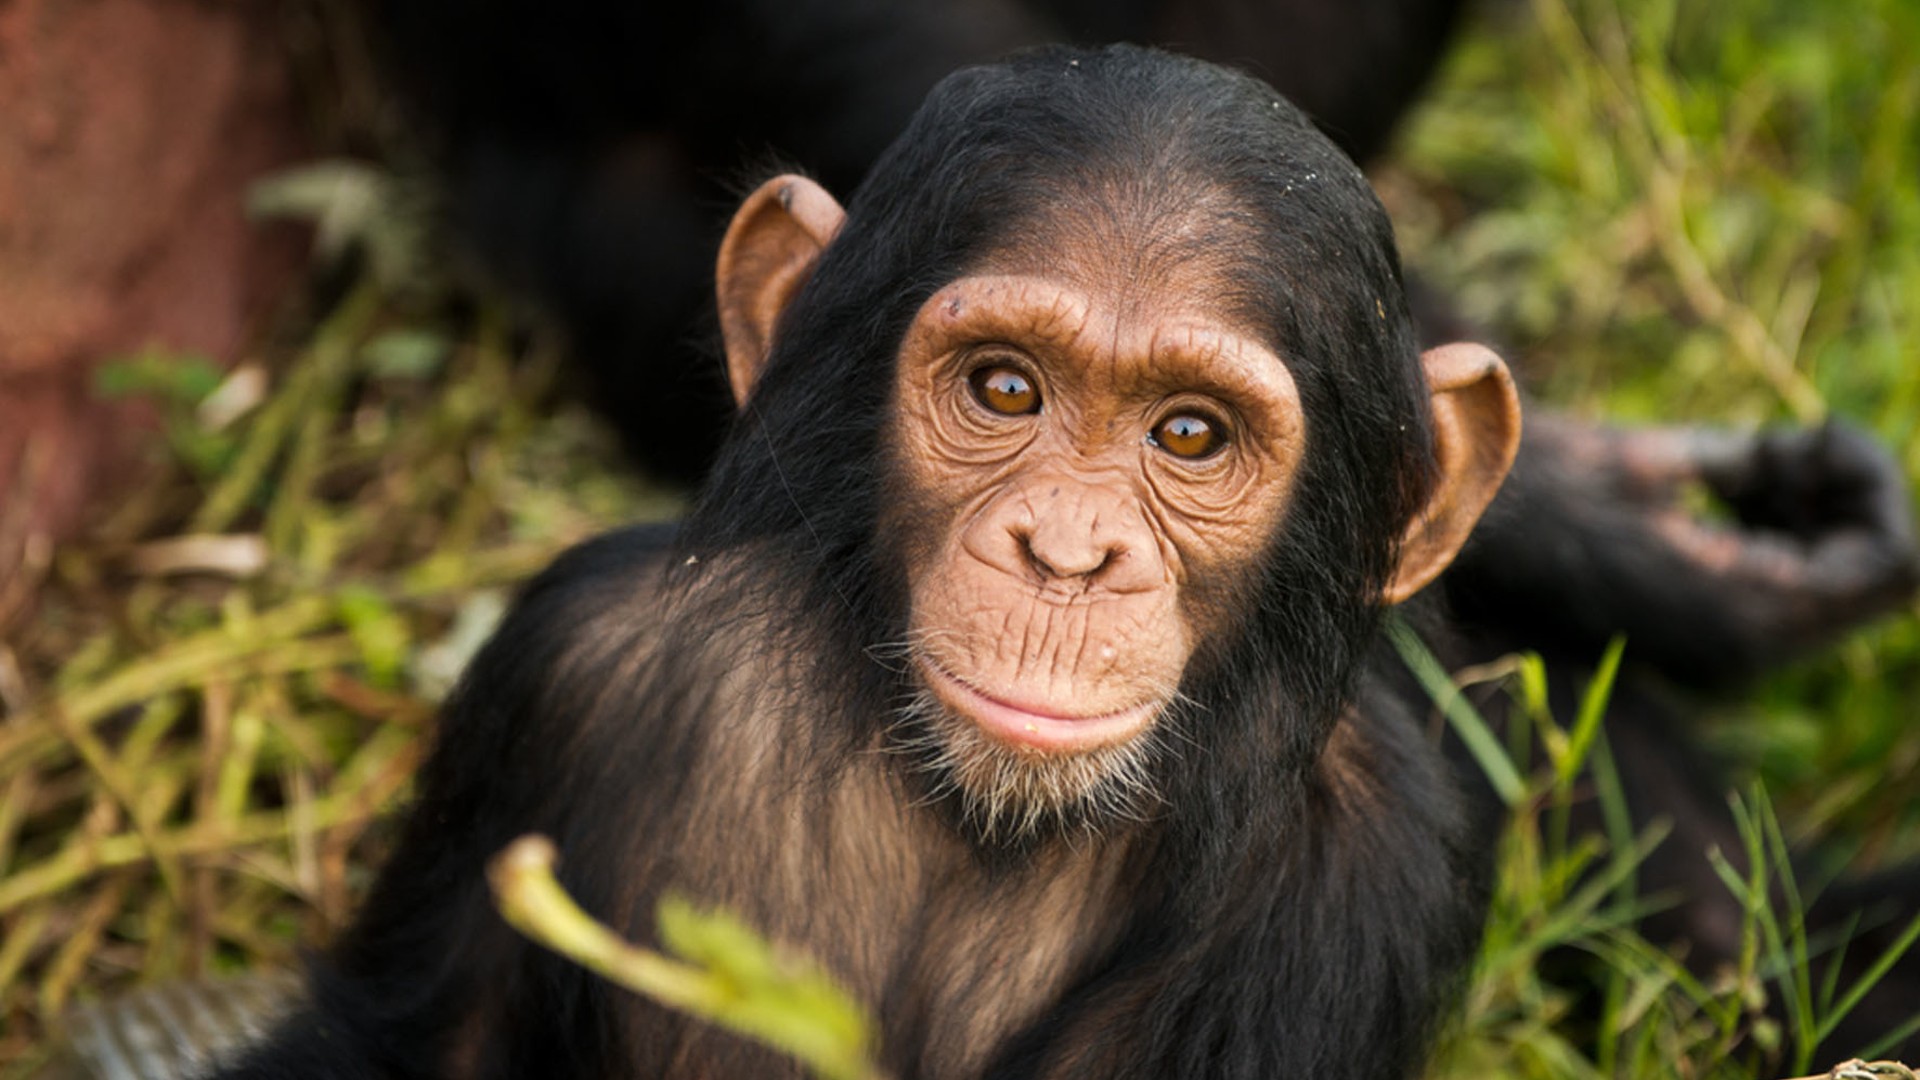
(1103, 399)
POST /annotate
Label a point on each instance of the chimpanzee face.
(1077, 444)
(1090, 454)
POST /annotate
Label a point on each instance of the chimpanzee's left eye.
(1004, 390)
(1189, 436)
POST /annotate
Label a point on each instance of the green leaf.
(784, 1001)
(175, 378)
(379, 631)
(407, 354)
(1593, 707)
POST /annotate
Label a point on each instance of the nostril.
(1023, 539)
(1062, 561)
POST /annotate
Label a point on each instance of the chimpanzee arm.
(421, 983)
(1589, 539)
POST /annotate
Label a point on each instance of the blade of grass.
(1465, 720)
(1593, 708)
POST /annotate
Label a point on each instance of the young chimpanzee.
(1015, 663)
(1021, 660)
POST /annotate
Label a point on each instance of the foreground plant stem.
(737, 982)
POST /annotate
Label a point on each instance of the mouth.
(1032, 726)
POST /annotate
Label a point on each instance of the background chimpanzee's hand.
(1816, 485)
(1827, 528)
(1595, 525)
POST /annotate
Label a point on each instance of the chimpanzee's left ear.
(1476, 430)
(769, 252)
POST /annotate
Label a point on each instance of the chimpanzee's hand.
(1813, 483)
(1823, 535)
(1594, 536)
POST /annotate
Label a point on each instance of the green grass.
(1700, 212)
(199, 746)
(1568, 902)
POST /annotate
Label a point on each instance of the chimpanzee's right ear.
(771, 248)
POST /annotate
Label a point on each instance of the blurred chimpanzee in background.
(590, 145)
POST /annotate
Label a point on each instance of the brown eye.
(1005, 391)
(1188, 436)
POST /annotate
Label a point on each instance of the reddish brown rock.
(134, 129)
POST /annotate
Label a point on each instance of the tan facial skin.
(1050, 614)
(1046, 429)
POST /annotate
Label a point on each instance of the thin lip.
(1035, 727)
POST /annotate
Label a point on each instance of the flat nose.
(1066, 549)
(1084, 534)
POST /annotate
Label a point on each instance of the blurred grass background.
(1663, 210)
(1680, 211)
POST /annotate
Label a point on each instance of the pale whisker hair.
(1006, 795)
(893, 655)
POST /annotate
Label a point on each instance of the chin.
(1017, 775)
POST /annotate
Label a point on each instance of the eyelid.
(994, 353)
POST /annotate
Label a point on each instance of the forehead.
(1149, 273)
(1171, 245)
